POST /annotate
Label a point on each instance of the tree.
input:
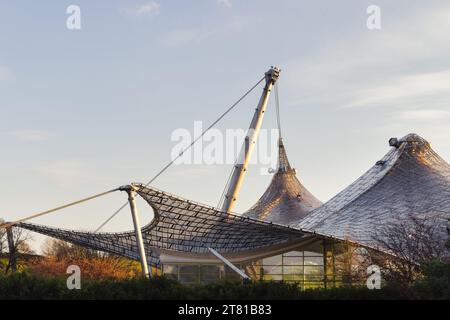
(409, 243)
(61, 250)
(3, 242)
(436, 281)
(93, 264)
(20, 239)
(351, 262)
(447, 244)
(3, 246)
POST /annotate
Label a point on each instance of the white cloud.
(30, 135)
(423, 115)
(409, 91)
(224, 3)
(146, 9)
(179, 37)
(405, 64)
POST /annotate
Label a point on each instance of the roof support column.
(137, 229)
(240, 168)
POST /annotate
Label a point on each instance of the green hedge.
(25, 286)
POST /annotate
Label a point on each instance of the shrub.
(29, 286)
(435, 283)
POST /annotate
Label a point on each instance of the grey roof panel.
(410, 179)
(286, 199)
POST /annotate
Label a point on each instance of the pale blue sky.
(84, 111)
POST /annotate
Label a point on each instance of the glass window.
(172, 276)
(232, 275)
(188, 269)
(273, 277)
(295, 266)
(292, 261)
(293, 277)
(189, 277)
(313, 271)
(189, 273)
(170, 269)
(313, 254)
(293, 254)
(293, 270)
(313, 261)
(272, 270)
(209, 273)
(273, 261)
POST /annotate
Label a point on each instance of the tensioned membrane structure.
(410, 179)
(180, 225)
(286, 200)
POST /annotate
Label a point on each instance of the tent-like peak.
(411, 179)
(286, 199)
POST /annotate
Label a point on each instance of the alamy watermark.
(373, 21)
(73, 21)
(218, 147)
(74, 280)
(374, 279)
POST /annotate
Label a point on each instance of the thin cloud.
(184, 36)
(376, 69)
(434, 115)
(30, 135)
(407, 91)
(150, 8)
(224, 3)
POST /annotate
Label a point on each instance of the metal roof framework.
(180, 225)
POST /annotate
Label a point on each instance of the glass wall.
(305, 267)
(311, 266)
(199, 273)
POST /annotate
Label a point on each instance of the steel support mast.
(249, 143)
(137, 228)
